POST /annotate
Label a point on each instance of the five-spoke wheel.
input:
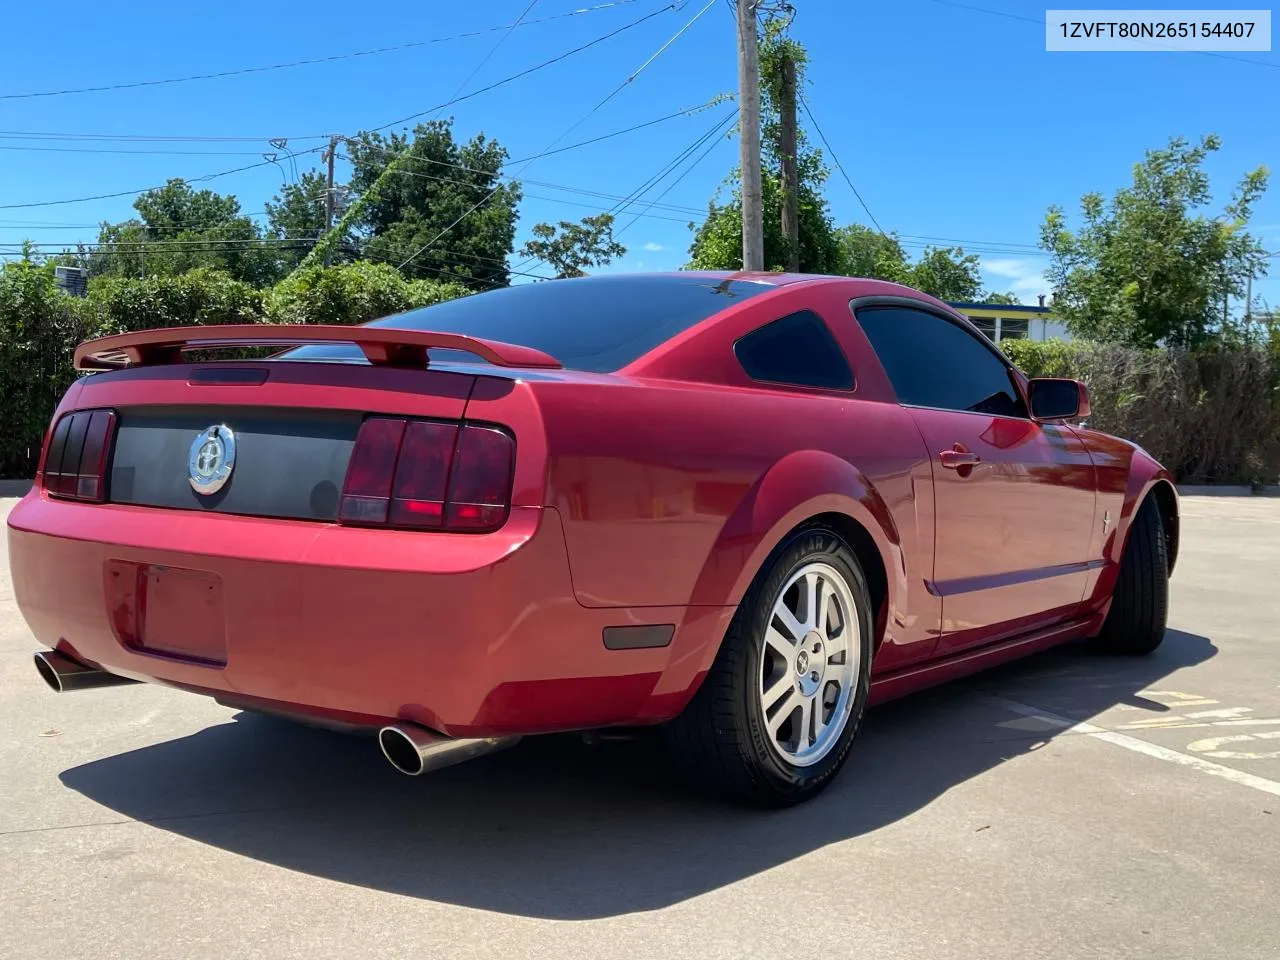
(811, 657)
(776, 715)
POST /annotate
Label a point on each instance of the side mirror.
(1058, 399)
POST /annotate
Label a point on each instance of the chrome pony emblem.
(213, 455)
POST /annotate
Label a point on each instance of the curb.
(15, 488)
(1225, 490)
(1214, 490)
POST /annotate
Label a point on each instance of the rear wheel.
(775, 718)
(1140, 604)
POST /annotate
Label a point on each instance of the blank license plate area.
(169, 611)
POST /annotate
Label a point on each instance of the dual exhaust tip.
(414, 750)
(411, 749)
(64, 675)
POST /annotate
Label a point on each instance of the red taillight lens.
(423, 474)
(75, 467)
(366, 493)
(480, 490)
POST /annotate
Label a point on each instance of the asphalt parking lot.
(1069, 806)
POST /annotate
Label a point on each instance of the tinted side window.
(797, 350)
(932, 362)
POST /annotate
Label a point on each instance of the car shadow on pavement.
(555, 828)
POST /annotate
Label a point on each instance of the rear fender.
(799, 487)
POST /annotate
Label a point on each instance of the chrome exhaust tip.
(63, 674)
(414, 750)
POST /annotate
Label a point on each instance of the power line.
(714, 142)
(136, 245)
(528, 70)
(839, 166)
(541, 183)
(139, 137)
(131, 193)
(494, 49)
(176, 153)
(367, 144)
(657, 53)
(653, 180)
(313, 60)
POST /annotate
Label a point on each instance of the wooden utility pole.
(790, 174)
(328, 194)
(749, 136)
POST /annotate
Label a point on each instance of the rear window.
(596, 324)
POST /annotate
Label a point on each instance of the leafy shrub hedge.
(39, 328)
(352, 293)
(202, 296)
(1211, 415)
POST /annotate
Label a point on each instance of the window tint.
(797, 350)
(596, 324)
(932, 362)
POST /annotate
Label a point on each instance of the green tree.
(297, 213)
(991, 296)
(571, 247)
(947, 273)
(434, 207)
(717, 244)
(865, 252)
(1145, 267)
(179, 229)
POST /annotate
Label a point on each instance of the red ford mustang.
(742, 506)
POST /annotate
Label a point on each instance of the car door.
(1014, 499)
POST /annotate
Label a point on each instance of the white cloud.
(1024, 278)
(653, 247)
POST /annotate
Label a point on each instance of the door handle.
(958, 457)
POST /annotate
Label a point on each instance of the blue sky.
(952, 122)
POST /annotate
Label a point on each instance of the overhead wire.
(129, 193)
(654, 56)
(528, 70)
(714, 141)
(839, 166)
(395, 48)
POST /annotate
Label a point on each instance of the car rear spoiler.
(384, 346)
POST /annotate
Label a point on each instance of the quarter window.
(933, 362)
(797, 350)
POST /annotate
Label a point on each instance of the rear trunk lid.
(293, 424)
(294, 428)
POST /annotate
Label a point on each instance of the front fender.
(1147, 477)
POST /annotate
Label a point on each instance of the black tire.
(720, 739)
(1140, 603)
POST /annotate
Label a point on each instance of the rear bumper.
(468, 635)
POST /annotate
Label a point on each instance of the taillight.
(428, 475)
(75, 466)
